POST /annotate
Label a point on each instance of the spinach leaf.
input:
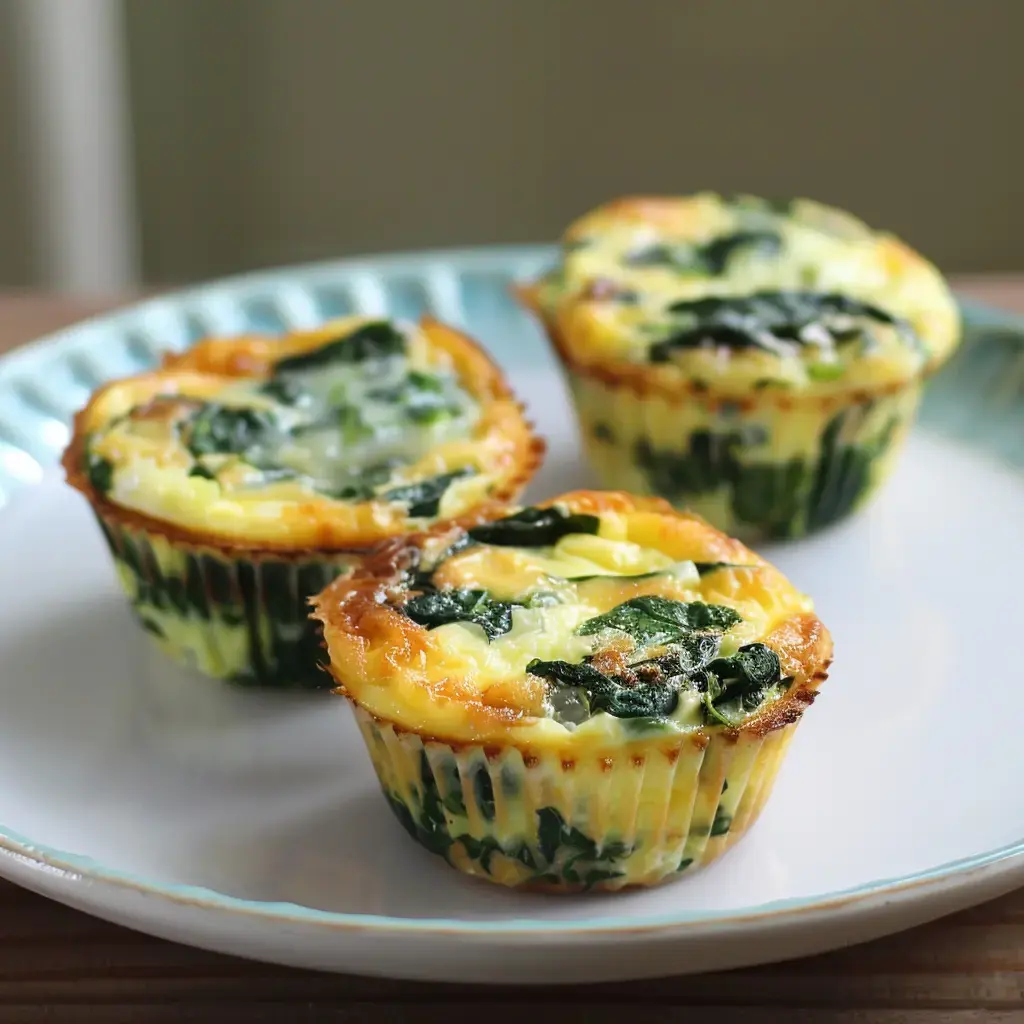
(430, 825)
(653, 620)
(603, 693)
(424, 496)
(769, 495)
(373, 341)
(218, 430)
(441, 607)
(739, 684)
(534, 528)
(710, 258)
(715, 255)
(766, 319)
(843, 471)
(100, 473)
(200, 471)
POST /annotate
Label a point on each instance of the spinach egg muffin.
(592, 693)
(756, 362)
(239, 478)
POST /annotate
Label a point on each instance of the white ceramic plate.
(253, 824)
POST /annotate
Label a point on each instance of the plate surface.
(253, 823)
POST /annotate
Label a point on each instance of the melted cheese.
(329, 450)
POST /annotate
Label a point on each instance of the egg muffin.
(592, 693)
(237, 479)
(759, 363)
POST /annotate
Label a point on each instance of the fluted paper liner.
(662, 809)
(771, 466)
(224, 614)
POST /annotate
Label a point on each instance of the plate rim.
(48, 864)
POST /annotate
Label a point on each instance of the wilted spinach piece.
(376, 340)
(707, 463)
(653, 620)
(769, 495)
(440, 607)
(763, 319)
(715, 255)
(534, 528)
(710, 258)
(582, 860)
(780, 499)
(430, 826)
(737, 685)
(686, 657)
(604, 693)
(200, 471)
(100, 472)
(220, 430)
(730, 687)
(843, 472)
(424, 496)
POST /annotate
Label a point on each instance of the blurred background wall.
(270, 131)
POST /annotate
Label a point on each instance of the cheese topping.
(595, 615)
(340, 436)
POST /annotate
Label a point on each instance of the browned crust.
(356, 606)
(249, 355)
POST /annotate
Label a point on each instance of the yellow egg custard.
(239, 478)
(592, 693)
(756, 362)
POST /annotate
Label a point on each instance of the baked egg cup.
(241, 476)
(589, 694)
(759, 363)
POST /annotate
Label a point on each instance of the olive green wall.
(16, 256)
(278, 130)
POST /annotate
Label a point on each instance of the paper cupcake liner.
(767, 468)
(241, 619)
(658, 811)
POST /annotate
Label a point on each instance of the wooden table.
(59, 965)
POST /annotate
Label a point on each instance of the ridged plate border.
(977, 399)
